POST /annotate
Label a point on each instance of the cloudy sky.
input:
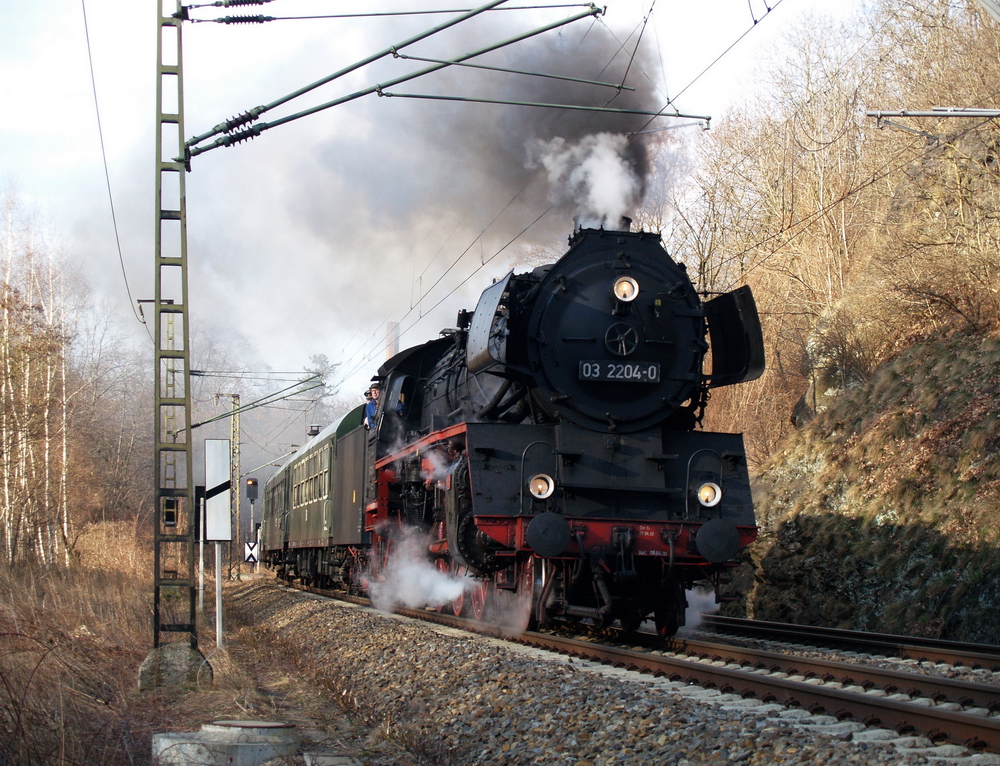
(309, 238)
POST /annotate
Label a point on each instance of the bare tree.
(33, 512)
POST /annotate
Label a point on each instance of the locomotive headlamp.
(709, 494)
(625, 289)
(541, 486)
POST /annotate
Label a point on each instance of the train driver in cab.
(371, 408)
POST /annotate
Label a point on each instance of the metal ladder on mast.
(176, 517)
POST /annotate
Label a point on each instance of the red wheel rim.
(380, 559)
(385, 557)
(526, 581)
(442, 566)
(458, 603)
(519, 606)
(478, 598)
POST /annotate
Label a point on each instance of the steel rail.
(938, 688)
(936, 723)
(905, 717)
(907, 647)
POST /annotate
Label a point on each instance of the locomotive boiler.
(548, 447)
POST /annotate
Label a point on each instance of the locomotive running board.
(424, 441)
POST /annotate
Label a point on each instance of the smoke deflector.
(736, 337)
(487, 347)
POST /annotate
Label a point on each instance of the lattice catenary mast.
(174, 528)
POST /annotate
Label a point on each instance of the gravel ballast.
(452, 697)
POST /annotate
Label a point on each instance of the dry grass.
(72, 641)
(67, 635)
(123, 547)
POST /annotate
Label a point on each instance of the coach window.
(324, 474)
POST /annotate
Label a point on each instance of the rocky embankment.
(883, 512)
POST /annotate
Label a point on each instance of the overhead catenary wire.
(420, 279)
(284, 422)
(622, 47)
(478, 238)
(372, 338)
(370, 355)
(888, 169)
(376, 14)
(482, 265)
(107, 174)
(672, 101)
(635, 49)
(244, 134)
(616, 86)
(807, 219)
(253, 114)
(263, 402)
(268, 399)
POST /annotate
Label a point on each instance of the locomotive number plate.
(626, 372)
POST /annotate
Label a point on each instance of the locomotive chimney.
(391, 340)
(579, 222)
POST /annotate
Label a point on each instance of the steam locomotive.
(547, 448)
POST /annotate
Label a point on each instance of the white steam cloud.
(412, 581)
(513, 612)
(436, 466)
(592, 174)
(701, 601)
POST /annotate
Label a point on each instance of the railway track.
(980, 699)
(844, 695)
(939, 708)
(906, 647)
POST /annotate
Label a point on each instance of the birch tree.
(34, 510)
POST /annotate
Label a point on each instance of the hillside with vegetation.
(882, 512)
(874, 255)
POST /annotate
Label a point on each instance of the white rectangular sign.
(218, 503)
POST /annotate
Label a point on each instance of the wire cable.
(373, 337)
(672, 101)
(382, 14)
(885, 171)
(807, 219)
(367, 357)
(107, 174)
(635, 50)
